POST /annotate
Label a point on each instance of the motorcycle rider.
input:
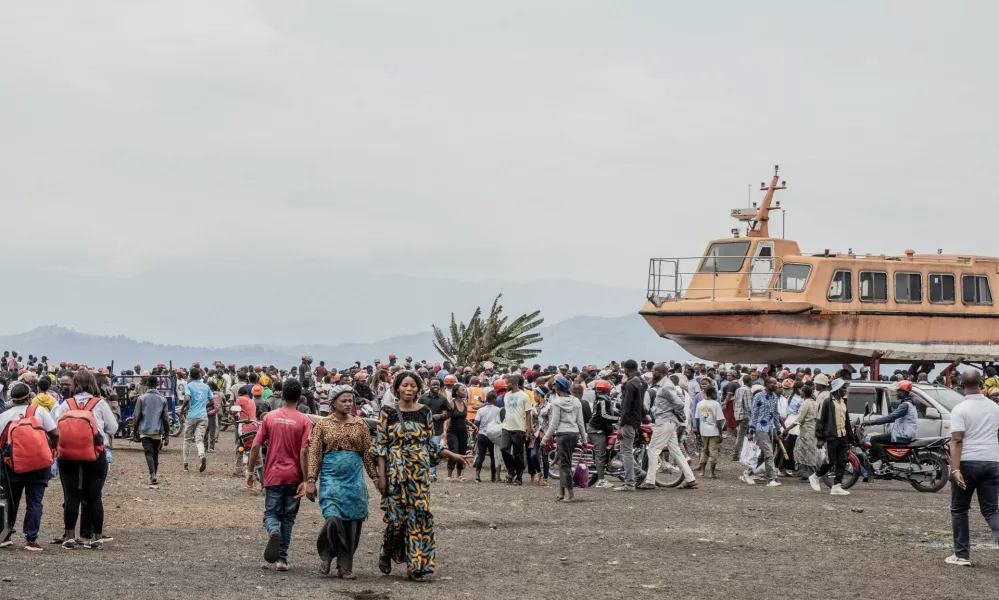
(904, 420)
(602, 424)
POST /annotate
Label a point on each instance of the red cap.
(499, 385)
(391, 356)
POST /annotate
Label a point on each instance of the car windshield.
(948, 398)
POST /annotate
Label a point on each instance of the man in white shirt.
(974, 450)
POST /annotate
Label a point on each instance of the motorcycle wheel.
(941, 473)
(176, 426)
(224, 425)
(668, 474)
(850, 477)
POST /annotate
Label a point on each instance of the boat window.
(975, 289)
(873, 286)
(841, 287)
(725, 257)
(908, 288)
(793, 277)
(941, 288)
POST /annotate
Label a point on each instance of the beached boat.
(757, 299)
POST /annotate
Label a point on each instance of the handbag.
(581, 476)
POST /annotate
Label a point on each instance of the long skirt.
(338, 540)
(343, 498)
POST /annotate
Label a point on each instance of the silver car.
(934, 405)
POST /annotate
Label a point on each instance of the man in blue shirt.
(195, 406)
(764, 422)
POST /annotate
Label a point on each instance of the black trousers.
(837, 449)
(457, 442)
(513, 446)
(483, 446)
(877, 448)
(151, 448)
(83, 485)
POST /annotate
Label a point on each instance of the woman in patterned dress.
(340, 444)
(806, 452)
(405, 454)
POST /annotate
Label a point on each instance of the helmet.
(265, 380)
(361, 376)
(258, 368)
(391, 356)
(905, 385)
(336, 377)
(450, 380)
(603, 386)
(257, 390)
(499, 386)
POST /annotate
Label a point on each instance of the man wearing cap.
(834, 429)
(742, 403)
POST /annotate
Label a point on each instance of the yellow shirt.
(45, 401)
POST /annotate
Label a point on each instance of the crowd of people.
(318, 431)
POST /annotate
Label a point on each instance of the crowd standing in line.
(318, 431)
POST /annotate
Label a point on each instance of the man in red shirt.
(286, 433)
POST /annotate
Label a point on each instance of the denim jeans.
(627, 452)
(280, 510)
(983, 477)
(33, 494)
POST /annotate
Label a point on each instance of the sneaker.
(837, 490)
(773, 483)
(33, 547)
(185, 468)
(647, 486)
(204, 464)
(273, 545)
(603, 483)
(813, 481)
(211, 450)
(747, 479)
(624, 488)
(6, 543)
(69, 544)
(954, 559)
(94, 544)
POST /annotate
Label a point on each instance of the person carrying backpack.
(26, 432)
(86, 424)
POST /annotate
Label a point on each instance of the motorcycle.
(246, 430)
(923, 462)
(668, 473)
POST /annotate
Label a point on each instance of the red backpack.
(25, 445)
(79, 437)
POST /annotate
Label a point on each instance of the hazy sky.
(506, 140)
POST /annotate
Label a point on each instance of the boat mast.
(758, 226)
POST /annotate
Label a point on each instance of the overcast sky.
(506, 140)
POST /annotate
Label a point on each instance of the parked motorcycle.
(668, 473)
(923, 462)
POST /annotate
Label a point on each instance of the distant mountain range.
(577, 341)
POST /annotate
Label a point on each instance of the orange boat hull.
(797, 335)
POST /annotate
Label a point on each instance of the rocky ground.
(200, 536)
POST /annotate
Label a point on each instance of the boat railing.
(670, 278)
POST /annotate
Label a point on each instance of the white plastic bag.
(494, 432)
(750, 455)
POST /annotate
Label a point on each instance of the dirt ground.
(200, 536)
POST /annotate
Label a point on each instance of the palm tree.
(490, 339)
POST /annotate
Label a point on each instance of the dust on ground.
(200, 536)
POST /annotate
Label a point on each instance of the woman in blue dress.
(338, 458)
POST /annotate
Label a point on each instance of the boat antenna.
(758, 226)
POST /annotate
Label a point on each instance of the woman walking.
(84, 473)
(537, 453)
(405, 453)
(338, 449)
(568, 428)
(806, 453)
(457, 428)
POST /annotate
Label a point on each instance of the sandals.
(324, 565)
(460, 479)
(384, 562)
